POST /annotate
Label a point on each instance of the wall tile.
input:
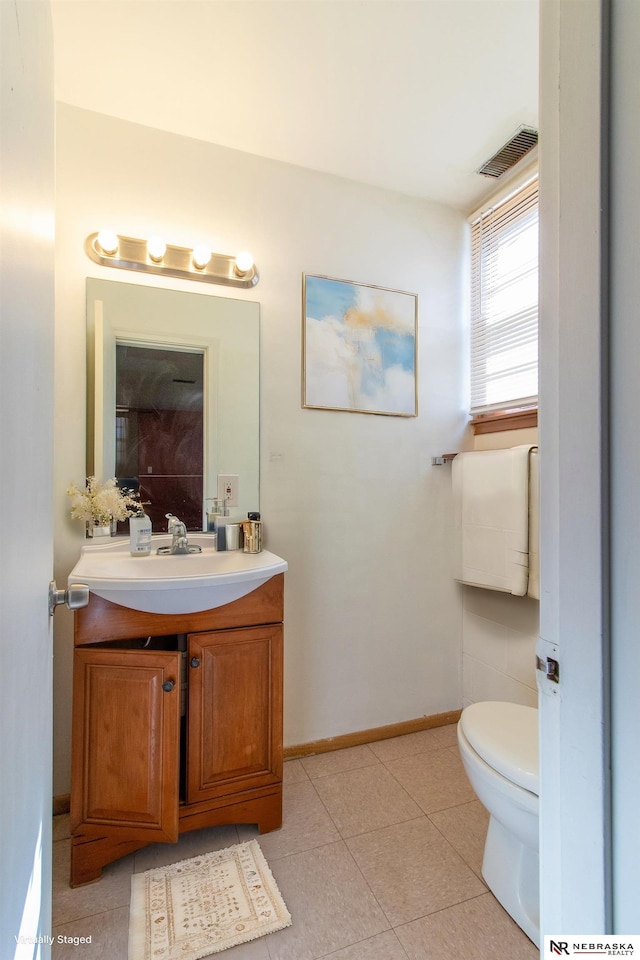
(485, 640)
(487, 684)
(519, 613)
(499, 634)
(520, 649)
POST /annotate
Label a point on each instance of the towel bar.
(443, 458)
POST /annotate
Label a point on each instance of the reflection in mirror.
(160, 430)
(158, 341)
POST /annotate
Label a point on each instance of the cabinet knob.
(195, 661)
(168, 685)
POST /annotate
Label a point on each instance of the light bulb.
(156, 248)
(201, 256)
(108, 242)
(244, 262)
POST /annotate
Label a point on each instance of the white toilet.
(499, 748)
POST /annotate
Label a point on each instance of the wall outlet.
(228, 488)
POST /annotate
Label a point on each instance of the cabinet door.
(235, 711)
(125, 743)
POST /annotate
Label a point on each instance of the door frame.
(575, 839)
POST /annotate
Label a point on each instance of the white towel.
(491, 519)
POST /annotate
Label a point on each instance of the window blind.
(504, 304)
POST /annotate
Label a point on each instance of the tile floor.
(378, 858)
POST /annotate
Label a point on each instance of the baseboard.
(369, 736)
(61, 804)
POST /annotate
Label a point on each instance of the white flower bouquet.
(100, 503)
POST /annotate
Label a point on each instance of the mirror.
(150, 434)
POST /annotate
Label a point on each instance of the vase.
(98, 529)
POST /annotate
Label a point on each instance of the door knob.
(75, 596)
(168, 685)
(195, 662)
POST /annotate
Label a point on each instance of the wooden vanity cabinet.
(177, 724)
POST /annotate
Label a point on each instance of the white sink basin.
(173, 583)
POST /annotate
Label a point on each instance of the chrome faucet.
(179, 541)
(178, 531)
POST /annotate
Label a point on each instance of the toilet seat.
(505, 736)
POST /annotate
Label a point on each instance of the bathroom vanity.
(177, 723)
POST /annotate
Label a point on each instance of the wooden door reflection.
(160, 430)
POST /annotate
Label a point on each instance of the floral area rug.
(201, 906)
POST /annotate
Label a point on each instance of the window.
(504, 305)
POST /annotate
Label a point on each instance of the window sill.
(505, 420)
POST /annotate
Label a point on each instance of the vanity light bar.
(129, 253)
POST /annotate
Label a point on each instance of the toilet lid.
(505, 735)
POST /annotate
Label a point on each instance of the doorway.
(159, 427)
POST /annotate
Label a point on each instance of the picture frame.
(359, 347)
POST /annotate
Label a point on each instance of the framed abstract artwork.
(359, 347)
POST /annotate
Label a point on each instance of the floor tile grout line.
(423, 816)
(357, 866)
(90, 916)
(419, 753)
(296, 853)
(455, 852)
(377, 759)
(361, 766)
(444, 836)
(402, 786)
(365, 833)
(369, 888)
(404, 789)
(345, 838)
(451, 906)
(417, 802)
(342, 840)
(453, 806)
(68, 887)
(328, 812)
(387, 826)
(334, 953)
(335, 753)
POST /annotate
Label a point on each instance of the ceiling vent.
(524, 139)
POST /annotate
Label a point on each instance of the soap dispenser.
(215, 508)
(140, 535)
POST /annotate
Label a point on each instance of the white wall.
(373, 617)
(499, 631)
